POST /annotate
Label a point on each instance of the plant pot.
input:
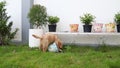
(87, 28)
(33, 42)
(110, 27)
(52, 28)
(97, 27)
(118, 28)
(74, 27)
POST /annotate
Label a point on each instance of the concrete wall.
(69, 11)
(91, 39)
(18, 10)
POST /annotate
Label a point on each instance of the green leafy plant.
(38, 16)
(5, 27)
(53, 19)
(87, 18)
(117, 17)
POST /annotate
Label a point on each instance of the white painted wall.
(70, 10)
(15, 11)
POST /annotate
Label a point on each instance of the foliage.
(5, 28)
(53, 19)
(117, 17)
(87, 18)
(38, 16)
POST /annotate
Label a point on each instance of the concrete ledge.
(89, 38)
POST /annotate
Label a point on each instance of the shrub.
(87, 18)
(5, 27)
(38, 16)
(53, 19)
(117, 18)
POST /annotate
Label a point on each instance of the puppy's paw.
(60, 50)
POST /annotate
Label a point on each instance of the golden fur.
(47, 39)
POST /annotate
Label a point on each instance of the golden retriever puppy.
(47, 39)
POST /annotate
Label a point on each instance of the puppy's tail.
(37, 37)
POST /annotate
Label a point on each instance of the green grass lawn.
(72, 57)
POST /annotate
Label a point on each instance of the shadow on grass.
(114, 64)
(106, 48)
(76, 48)
(100, 48)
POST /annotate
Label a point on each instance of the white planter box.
(33, 42)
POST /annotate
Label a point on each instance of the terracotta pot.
(74, 27)
(110, 27)
(97, 27)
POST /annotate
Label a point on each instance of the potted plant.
(86, 19)
(52, 20)
(117, 20)
(38, 19)
(38, 16)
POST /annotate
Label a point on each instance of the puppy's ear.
(59, 43)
